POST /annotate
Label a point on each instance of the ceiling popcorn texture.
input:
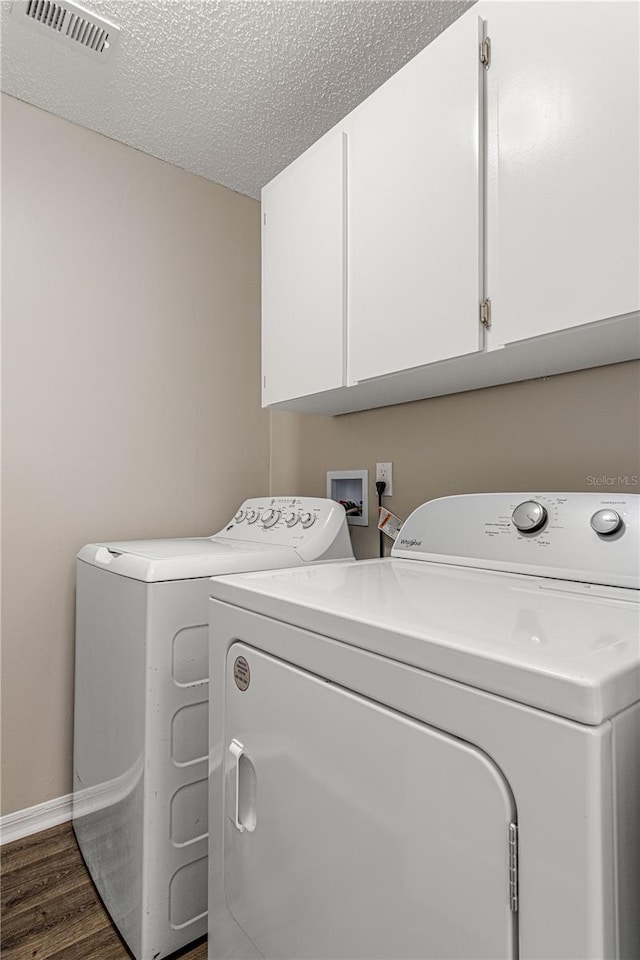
(232, 90)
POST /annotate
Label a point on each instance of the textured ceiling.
(229, 90)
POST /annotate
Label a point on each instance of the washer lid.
(185, 559)
(571, 649)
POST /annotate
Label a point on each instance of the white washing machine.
(140, 803)
(434, 755)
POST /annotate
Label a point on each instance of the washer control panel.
(586, 537)
(310, 524)
(282, 512)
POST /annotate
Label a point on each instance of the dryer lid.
(571, 649)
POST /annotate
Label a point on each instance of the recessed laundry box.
(140, 806)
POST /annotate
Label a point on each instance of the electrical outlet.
(384, 471)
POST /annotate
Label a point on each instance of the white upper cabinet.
(515, 182)
(414, 223)
(563, 165)
(303, 282)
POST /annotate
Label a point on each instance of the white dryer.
(434, 755)
(141, 707)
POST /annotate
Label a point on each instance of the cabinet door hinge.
(485, 53)
(264, 218)
(513, 866)
(485, 314)
(264, 382)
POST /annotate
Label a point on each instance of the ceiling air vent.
(70, 24)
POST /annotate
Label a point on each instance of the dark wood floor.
(50, 909)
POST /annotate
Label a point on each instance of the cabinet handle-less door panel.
(374, 835)
(303, 274)
(414, 211)
(563, 116)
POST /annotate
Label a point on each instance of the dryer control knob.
(239, 517)
(291, 519)
(529, 516)
(307, 519)
(606, 522)
(270, 517)
(251, 516)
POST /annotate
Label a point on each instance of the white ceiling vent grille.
(70, 24)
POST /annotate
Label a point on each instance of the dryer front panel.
(353, 831)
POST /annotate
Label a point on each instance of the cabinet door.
(365, 834)
(414, 211)
(303, 274)
(563, 162)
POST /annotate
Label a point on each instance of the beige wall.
(130, 308)
(547, 434)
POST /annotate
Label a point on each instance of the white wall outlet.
(384, 471)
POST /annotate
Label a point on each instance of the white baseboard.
(23, 823)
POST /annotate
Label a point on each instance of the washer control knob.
(307, 519)
(606, 522)
(239, 517)
(251, 516)
(270, 517)
(529, 516)
(291, 518)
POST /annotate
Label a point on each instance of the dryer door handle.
(241, 788)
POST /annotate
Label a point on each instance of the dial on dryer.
(606, 522)
(529, 516)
